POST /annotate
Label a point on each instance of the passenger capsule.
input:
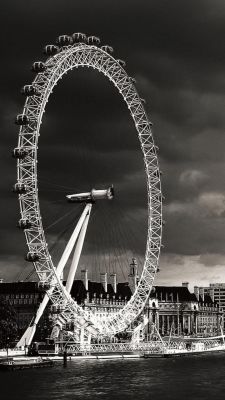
(29, 90)
(21, 119)
(32, 256)
(107, 49)
(38, 66)
(56, 309)
(51, 50)
(93, 40)
(79, 37)
(24, 223)
(53, 309)
(19, 153)
(143, 100)
(19, 188)
(44, 286)
(64, 40)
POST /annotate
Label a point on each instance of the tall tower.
(133, 275)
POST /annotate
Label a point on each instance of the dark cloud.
(175, 50)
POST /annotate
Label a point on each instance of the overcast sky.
(175, 50)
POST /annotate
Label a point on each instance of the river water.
(194, 377)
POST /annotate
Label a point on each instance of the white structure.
(72, 52)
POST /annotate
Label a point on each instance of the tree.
(8, 324)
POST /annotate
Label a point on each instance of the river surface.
(194, 377)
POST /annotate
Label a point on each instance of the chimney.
(84, 278)
(211, 293)
(1, 280)
(133, 267)
(103, 280)
(185, 284)
(114, 282)
(196, 292)
(43, 277)
(133, 275)
(202, 294)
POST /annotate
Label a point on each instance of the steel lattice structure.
(69, 57)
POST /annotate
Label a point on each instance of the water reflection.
(182, 378)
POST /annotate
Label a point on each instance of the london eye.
(70, 53)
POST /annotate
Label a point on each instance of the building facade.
(172, 310)
(217, 292)
(176, 311)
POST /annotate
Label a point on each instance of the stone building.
(171, 309)
(174, 310)
(217, 293)
(101, 298)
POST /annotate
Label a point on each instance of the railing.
(156, 347)
(76, 348)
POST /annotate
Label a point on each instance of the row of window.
(23, 301)
(201, 308)
(102, 309)
(206, 319)
(208, 308)
(100, 301)
(22, 296)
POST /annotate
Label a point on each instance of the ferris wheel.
(71, 52)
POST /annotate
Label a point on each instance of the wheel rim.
(68, 58)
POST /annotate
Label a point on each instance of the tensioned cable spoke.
(57, 185)
(133, 235)
(59, 220)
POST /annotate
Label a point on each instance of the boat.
(11, 364)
